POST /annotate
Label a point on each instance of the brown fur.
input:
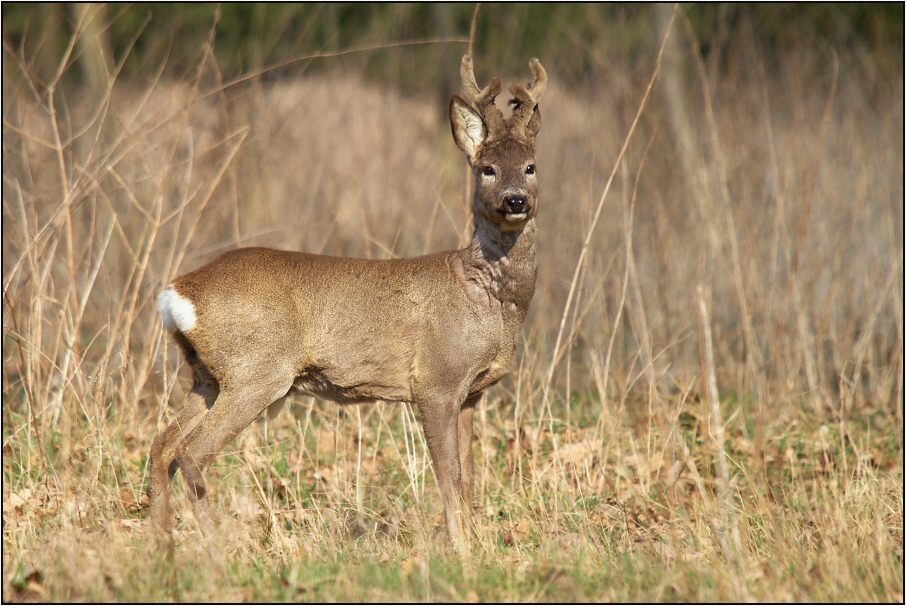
(433, 330)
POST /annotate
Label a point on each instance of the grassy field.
(708, 404)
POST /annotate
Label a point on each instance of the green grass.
(809, 526)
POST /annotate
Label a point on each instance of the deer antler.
(482, 99)
(526, 98)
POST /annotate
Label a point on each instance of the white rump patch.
(176, 311)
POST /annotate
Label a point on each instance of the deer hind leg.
(233, 411)
(466, 464)
(163, 464)
(440, 421)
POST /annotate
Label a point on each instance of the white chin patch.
(515, 217)
(176, 311)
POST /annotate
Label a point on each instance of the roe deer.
(258, 324)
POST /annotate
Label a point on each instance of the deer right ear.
(469, 130)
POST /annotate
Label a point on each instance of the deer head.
(500, 151)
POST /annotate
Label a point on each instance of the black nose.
(516, 204)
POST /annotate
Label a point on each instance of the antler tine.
(483, 99)
(539, 82)
(468, 79)
(525, 98)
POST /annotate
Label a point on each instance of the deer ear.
(469, 130)
(534, 123)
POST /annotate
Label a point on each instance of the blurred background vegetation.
(249, 37)
(758, 205)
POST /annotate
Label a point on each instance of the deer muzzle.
(515, 207)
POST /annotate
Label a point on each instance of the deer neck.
(498, 267)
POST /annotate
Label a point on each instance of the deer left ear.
(469, 130)
(534, 123)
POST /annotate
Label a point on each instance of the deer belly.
(349, 388)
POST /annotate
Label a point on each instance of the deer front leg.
(467, 468)
(440, 421)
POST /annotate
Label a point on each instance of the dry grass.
(721, 420)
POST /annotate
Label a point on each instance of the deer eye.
(488, 170)
(530, 169)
